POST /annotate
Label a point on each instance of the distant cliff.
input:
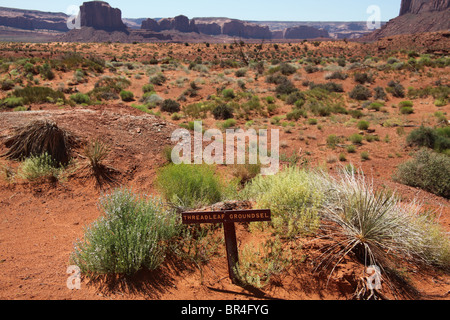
(179, 23)
(416, 16)
(420, 6)
(101, 16)
(32, 20)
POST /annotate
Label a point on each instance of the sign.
(228, 218)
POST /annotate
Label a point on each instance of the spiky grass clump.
(377, 227)
(97, 153)
(132, 235)
(41, 137)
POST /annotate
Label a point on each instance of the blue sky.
(284, 10)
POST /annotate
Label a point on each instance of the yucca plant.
(41, 137)
(97, 152)
(376, 227)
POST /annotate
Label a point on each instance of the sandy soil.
(39, 222)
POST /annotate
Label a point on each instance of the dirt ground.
(39, 222)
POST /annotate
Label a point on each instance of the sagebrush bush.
(437, 139)
(189, 186)
(170, 106)
(131, 235)
(223, 112)
(80, 98)
(428, 170)
(126, 96)
(32, 95)
(360, 92)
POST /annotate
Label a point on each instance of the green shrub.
(229, 123)
(365, 155)
(406, 110)
(240, 72)
(126, 96)
(228, 94)
(360, 93)
(351, 149)
(405, 104)
(428, 170)
(356, 138)
(380, 94)
(38, 95)
(7, 84)
(287, 69)
(39, 167)
(189, 186)
(285, 87)
(223, 112)
(158, 79)
(312, 121)
(292, 198)
(437, 139)
(46, 72)
(363, 125)
(11, 102)
(80, 98)
(170, 106)
(148, 88)
(362, 78)
(396, 89)
(333, 140)
(131, 235)
(337, 75)
(296, 114)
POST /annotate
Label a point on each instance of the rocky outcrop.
(416, 16)
(305, 32)
(101, 16)
(212, 29)
(179, 23)
(150, 25)
(420, 6)
(32, 20)
(237, 28)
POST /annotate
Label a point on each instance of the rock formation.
(101, 16)
(416, 16)
(179, 23)
(33, 20)
(419, 6)
(212, 29)
(237, 28)
(305, 32)
(151, 25)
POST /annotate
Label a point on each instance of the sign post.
(228, 218)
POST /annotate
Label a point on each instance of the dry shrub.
(41, 137)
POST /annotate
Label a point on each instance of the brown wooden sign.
(228, 218)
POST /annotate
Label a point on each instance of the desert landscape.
(88, 181)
